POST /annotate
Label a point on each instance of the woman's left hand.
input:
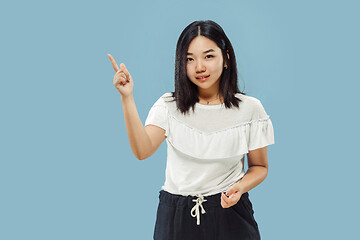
(232, 196)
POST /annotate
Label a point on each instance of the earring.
(225, 67)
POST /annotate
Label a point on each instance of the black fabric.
(174, 220)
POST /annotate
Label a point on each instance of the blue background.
(67, 170)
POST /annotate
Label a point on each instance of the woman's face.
(204, 58)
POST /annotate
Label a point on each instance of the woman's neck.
(208, 99)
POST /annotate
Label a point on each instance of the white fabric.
(206, 148)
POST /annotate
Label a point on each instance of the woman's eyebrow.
(207, 51)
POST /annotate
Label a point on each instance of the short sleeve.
(158, 115)
(261, 131)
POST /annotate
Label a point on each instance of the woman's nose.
(200, 67)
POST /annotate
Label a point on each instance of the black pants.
(174, 220)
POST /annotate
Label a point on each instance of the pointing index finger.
(115, 66)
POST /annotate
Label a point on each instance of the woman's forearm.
(140, 142)
(253, 177)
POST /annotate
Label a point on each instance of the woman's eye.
(190, 59)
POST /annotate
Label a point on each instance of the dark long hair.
(186, 92)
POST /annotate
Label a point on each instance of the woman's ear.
(228, 58)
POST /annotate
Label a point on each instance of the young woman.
(209, 126)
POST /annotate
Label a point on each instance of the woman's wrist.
(239, 186)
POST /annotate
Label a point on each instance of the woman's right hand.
(123, 81)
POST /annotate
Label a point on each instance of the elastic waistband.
(187, 201)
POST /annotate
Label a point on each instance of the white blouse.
(206, 148)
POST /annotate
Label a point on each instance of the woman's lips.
(203, 79)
